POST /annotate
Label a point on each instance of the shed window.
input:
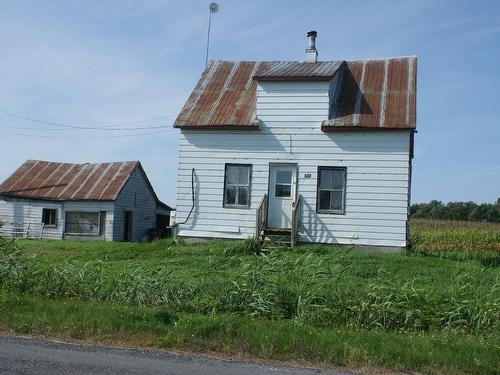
(237, 185)
(331, 190)
(49, 217)
(86, 223)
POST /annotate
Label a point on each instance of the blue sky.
(99, 63)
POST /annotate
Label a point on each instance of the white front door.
(282, 190)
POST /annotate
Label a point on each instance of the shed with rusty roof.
(106, 201)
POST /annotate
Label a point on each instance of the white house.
(104, 201)
(319, 150)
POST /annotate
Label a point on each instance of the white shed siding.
(16, 214)
(291, 114)
(136, 197)
(19, 213)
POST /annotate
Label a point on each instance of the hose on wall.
(192, 198)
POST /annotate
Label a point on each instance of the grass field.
(435, 309)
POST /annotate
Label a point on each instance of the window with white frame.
(237, 185)
(85, 223)
(49, 217)
(331, 190)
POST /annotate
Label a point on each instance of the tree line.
(469, 211)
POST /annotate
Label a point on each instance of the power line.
(113, 127)
(3, 126)
(81, 137)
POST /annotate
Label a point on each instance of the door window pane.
(283, 190)
(284, 177)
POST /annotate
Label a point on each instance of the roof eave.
(355, 128)
(254, 126)
(293, 79)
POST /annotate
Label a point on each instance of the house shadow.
(272, 143)
(316, 229)
(348, 99)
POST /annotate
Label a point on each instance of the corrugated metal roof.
(375, 94)
(370, 93)
(224, 96)
(65, 181)
(300, 71)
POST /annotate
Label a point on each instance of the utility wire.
(3, 126)
(80, 137)
(112, 127)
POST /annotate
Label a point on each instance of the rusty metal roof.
(375, 94)
(65, 181)
(370, 93)
(299, 71)
(224, 96)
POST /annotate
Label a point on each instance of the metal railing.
(261, 216)
(22, 230)
(295, 221)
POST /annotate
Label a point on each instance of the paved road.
(32, 356)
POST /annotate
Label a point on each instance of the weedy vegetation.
(434, 309)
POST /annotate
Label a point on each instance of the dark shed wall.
(136, 197)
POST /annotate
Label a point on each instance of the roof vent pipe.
(311, 51)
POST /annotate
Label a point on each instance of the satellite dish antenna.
(213, 8)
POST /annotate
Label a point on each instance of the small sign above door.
(307, 175)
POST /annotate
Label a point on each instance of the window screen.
(82, 223)
(49, 217)
(237, 185)
(331, 190)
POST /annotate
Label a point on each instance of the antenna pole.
(213, 8)
(208, 35)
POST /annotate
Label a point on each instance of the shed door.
(128, 226)
(282, 191)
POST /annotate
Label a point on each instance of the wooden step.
(277, 231)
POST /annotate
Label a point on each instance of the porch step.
(279, 231)
(276, 237)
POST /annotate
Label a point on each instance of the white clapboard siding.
(138, 198)
(291, 113)
(19, 214)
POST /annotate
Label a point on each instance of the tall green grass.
(321, 286)
(272, 339)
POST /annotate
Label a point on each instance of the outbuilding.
(102, 201)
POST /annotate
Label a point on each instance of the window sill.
(330, 212)
(49, 226)
(238, 207)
